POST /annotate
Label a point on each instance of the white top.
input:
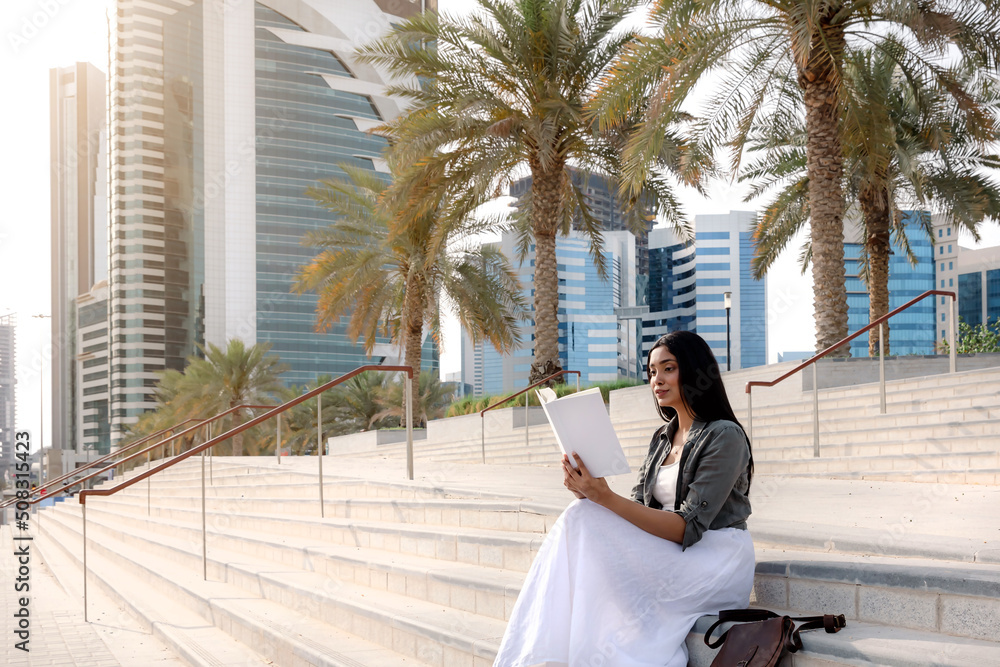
(665, 488)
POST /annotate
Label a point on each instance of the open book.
(582, 425)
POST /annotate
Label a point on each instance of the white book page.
(581, 424)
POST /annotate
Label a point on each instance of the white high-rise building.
(688, 285)
(592, 338)
(79, 223)
(222, 114)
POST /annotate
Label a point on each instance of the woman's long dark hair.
(700, 378)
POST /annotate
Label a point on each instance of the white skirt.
(603, 592)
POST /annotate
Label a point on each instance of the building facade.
(8, 393)
(604, 207)
(93, 426)
(688, 283)
(78, 154)
(670, 292)
(221, 116)
(592, 339)
(912, 331)
(978, 281)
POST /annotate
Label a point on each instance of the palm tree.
(386, 270)
(501, 93)
(235, 376)
(770, 55)
(435, 397)
(906, 146)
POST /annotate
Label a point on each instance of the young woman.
(620, 582)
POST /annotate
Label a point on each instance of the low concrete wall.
(368, 441)
(863, 370)
(501, 421)
(636, 403)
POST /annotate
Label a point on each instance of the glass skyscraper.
(591, 338)
(221, 116)
(305, 129)
(688, 282)
(912, 331)
(155, 120)
(8, 391)
(79, 224)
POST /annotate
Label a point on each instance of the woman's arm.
(662, 523)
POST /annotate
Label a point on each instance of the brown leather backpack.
(763, 637)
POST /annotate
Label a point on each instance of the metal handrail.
(881, 352)
(527, 400)
(104, 458)
(212, 442)
(148, 450)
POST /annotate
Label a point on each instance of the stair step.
(281, 634)
(197, 642)
(863, 643)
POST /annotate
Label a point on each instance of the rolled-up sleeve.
(719, 467)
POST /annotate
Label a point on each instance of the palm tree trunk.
(875, 208)
(546, 208)
(413, 329)
(820, 80)
(238, 438)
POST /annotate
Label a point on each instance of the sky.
(40, 34)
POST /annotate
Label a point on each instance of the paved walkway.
(59, 637)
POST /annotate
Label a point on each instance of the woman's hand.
(581, 484)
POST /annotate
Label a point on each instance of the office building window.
(942, 266)
(942, 301)
(951, 282)
(949, 248)
(942, 319)
(951, 266)
(949, 231)
(941, 250)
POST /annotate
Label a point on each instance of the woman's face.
(665, 379)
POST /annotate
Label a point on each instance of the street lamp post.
(727, 302)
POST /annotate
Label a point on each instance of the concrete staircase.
(426, 572)
(943, 428)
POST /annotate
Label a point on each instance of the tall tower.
(8, 391)
(79, 223)
(221, 115)
(688, 284)
(592, 339)
(155, 121)
(912, 331)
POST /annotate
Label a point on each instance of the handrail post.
(881, 367)
(952, 337)
(482, 434)
(204, 538)
(409, 428)
(527, 400)
(277, 442)
(149, 484)
(85, 620)
(815, 369)
(319, 449)
(578, 382)
(211, 478)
